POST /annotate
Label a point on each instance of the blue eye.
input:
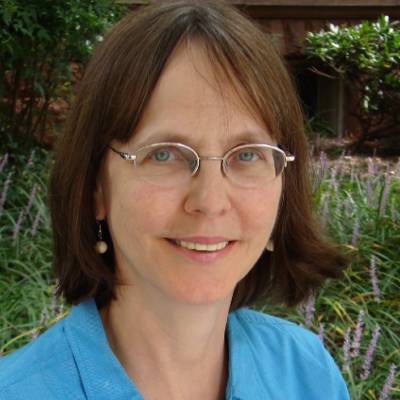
(248, 156)
(162, 155)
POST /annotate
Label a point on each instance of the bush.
(38, 41)
(359, 205)
(366, 56)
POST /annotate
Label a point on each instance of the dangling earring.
(101, 246)
(270, 245)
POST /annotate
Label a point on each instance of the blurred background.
(344, 56)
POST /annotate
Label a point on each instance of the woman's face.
(140, 215)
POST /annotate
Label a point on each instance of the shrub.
(366, 56)
(38, 41)
(357, 317)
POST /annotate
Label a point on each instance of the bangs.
(229, 78)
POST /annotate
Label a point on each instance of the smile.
(200, 252)
(201, 246)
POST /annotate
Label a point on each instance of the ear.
(99, 200)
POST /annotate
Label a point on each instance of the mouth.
(201, 246)
(202, 253)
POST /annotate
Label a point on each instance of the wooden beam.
(318, 3)
(308, 9)
(297, 3)
(317, 12)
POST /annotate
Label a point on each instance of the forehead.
(191, 102)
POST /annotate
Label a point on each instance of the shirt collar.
(244, 381)
(103, 376)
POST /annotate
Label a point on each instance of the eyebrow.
(170, 136)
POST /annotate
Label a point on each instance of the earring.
(101, 246)
(270, 245)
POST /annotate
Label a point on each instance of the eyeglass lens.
(170, 165)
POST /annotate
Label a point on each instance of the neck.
(169, 347)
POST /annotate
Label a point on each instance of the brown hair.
(118, 83)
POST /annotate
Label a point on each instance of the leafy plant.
(38, 41)
(358, 317)
(358, 202)
(367, 57)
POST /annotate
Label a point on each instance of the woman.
(179, 198)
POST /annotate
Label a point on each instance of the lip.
(202, 257)
(203, 239)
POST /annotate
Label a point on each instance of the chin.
(204, 294)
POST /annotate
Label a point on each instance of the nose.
(209, 191)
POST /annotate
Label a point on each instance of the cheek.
(259, 207)
(142, 211)
(145, 209)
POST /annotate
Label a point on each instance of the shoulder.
(37, 367)
(288, 353)
(267, 330)
(42, 353)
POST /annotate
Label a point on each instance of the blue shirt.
(269, 358)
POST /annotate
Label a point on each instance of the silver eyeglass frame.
(132, 156)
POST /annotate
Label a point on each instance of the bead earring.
(101, 246)
(270, 245)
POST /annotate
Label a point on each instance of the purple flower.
(375, 166)
(30, 160)
(53, 302)
(338, 204)
(42, 321)
(346, 350)
(31, 197)
(385, 194)
(352, 174)
(309, 311)
(358, 334)
(393, 211)
(334, 183)
(374, 278)
(24, 212)
(43, 317)
(371, 168)
(325, 209)
(322, 164)
(35, 223)
(321, 331)
(3, 195)
(370, 175)
(347, 208)
(61, 308)
(388, 383)
(311, 151)
(339, 169)
(3, 162)
(366, 368)
(17, 226)
(319, 171)
(35, 333)
(356, 233)
(340, 173)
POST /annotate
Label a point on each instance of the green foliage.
(25, 244)
(367, 56)
(358, 203)
(38, 41)
(316, 127)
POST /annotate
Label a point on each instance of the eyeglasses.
(170, 164)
